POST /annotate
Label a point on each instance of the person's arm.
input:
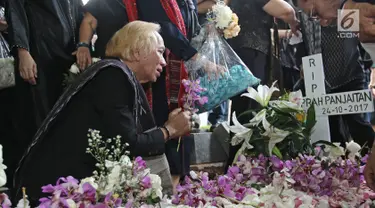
(86, 31)
(153, 11)
(113, 93)
(18, 26)
(205, 6)
(282, 10)
(87, 28)
(19, 37)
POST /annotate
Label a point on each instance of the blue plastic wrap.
(220, 71)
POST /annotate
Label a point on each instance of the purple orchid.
(193, 92)
(4, 201)
(146, 182)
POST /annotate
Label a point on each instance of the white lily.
(241, 132)
(274, 134)
(258, 118)
(263, 95)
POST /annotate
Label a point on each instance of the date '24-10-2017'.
(347, 109)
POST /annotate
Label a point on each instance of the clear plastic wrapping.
(219, 69)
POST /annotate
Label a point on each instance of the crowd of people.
(135, 91)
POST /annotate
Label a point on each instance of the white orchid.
(353, 149)
(89, 180)
(74, 69)
(71, 203)
(335, 151)
(156, 185)
(3, 176)
(274, 134)
(23, 203)
(94, 60)
(263, 95)
(296, 98)
(294, 102)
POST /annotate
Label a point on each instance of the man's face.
(324, 10)
(153, 63)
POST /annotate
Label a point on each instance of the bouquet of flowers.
(282, 128)
(217, 67)
(119, 182)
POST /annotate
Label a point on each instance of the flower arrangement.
(225, 19)
(282, 128)
(119, 182)
(305, 181)
(74, 72)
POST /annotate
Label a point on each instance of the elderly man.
(108, 97)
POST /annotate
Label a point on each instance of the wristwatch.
(83, 44)
(167, 130)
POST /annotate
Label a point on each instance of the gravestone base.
(211, 147)
(213, 169)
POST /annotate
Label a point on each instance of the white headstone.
(314, 84)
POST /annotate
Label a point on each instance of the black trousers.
(257, 62)
(342, 127)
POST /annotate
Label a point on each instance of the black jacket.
(107, 98)
(47, 28)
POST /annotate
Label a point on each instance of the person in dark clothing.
(107, 97)
(42, 37)
(177, 28)
(6, 105)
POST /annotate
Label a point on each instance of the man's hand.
(294, 26)
(366, 20)
(27, 66)
(371, 86)
(214, 70)
(83, 57)
(369, 171)
(179, 123)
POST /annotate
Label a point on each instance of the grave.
(211, 147)
(352, 102)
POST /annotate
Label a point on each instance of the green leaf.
(277, 152)
(311, 118)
